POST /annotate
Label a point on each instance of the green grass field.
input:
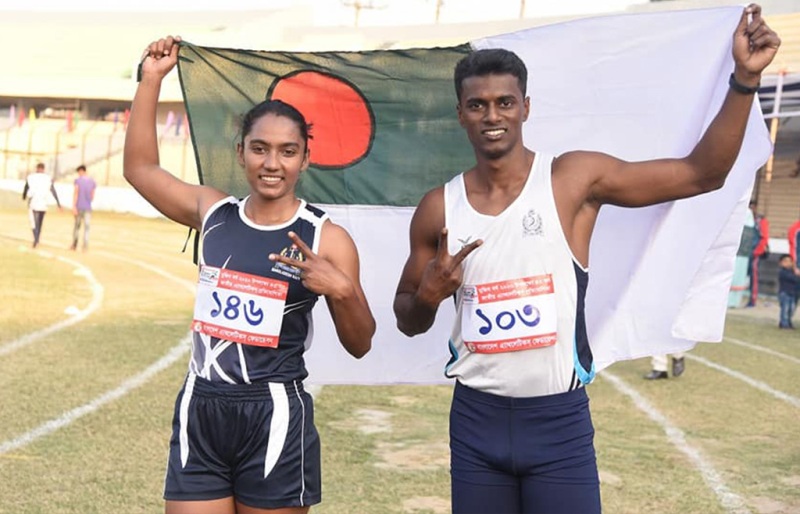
(86, 410)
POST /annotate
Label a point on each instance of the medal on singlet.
(239, 307)
(509, 316)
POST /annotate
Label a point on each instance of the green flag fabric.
(383, 127)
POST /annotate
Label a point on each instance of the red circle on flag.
(342, 123)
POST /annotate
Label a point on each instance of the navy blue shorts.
(255, 442)
(522, 455)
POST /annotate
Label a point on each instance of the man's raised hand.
(444, 273)
(754, 43)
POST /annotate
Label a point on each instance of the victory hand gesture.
(317, 273)
(443, 274)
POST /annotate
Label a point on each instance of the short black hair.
(490, 61)
(784, 256)
(81, 168)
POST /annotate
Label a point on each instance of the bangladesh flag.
(383, 122)
(385, 131)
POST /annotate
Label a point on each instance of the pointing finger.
(301, 245)
(442, 250)
(275, 257)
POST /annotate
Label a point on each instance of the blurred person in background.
(82, 197)
(788, 285)
(793, 236)
(760, 251)
(660, 365)
(38, 188)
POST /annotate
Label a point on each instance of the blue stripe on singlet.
(582, 353)
(452, 347)
(453, 358)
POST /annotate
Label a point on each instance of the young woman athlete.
(243, 436)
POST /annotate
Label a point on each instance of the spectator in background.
(793, 235)
(788, 282)
(660, 363)
(740, 285)
(82, 197)
(38, 187)
(760, 251)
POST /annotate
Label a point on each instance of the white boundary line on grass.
(729, 500)
(94, 304)
(190, 286)
(757, 348)
(127, 386)
(761, 386)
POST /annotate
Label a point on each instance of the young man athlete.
(509, 239)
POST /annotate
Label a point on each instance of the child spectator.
(788, 282)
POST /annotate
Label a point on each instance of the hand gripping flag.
(385, 131)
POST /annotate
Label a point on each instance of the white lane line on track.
(127, 386)
(190, 286)
(757, 348)
(761, 386)
(729, 500)
(94, 304)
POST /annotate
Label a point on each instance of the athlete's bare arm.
(335, 274)
(430, 274)
(179, 201)
(583, 181)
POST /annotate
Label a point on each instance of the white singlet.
(519, 329)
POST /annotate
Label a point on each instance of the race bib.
(509, 316)
(239, 307)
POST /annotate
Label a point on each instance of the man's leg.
(659, 368)
(479, 455)
(38, 220)
(76, 228)
(678, 364)
(785, 310)
(32, 221)
(87, 220)
(753, 282)
(554, 451)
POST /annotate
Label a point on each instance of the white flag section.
(637, 86)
